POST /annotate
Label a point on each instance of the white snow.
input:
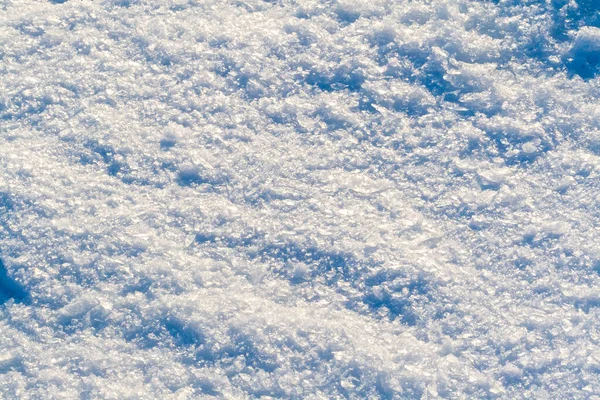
(299, 199)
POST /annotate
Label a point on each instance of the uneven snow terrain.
(299, 199)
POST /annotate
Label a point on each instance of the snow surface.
(299, 199)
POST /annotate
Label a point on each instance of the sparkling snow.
(299, 199)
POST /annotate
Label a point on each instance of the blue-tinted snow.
(299, 199)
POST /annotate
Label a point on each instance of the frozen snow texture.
(299, 199)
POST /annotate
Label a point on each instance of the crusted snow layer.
(299, 199)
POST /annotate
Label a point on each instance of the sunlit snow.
(312, 199)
